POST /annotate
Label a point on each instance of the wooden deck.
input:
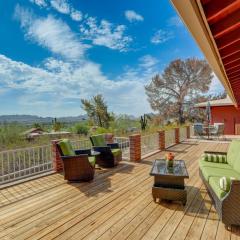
(116, 205)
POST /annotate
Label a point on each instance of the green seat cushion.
(99, 140)
(219, 172)
(216, 158)
(233, 154)
(203, 163)
(116, 152)
(66, 147)
(92, 160)
(214, 183)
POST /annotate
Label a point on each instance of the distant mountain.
(30, 119)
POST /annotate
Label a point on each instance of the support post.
(56, 158)
(135, 147)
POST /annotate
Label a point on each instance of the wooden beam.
(229, 50)
(231, 58)
(226, 9)
(233, 65)
(232, 71)
(225, 25)
(228, 39)
(232, 74)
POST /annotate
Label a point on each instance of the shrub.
(81, 128)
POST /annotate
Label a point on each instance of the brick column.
(188, 131)
(109, 138)
(56, 158)
(161, 139)
(177, 139)
(135, 147)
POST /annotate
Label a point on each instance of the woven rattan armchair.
(78, 167)
(110, 154)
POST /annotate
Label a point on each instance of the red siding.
(229, 115)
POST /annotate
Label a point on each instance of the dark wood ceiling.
(223, 17)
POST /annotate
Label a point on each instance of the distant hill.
(30, 119)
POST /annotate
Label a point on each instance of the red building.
(224, 111)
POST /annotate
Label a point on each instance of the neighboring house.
(224, 111)
(33, 132)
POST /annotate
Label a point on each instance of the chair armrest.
(74, 157)
(102, 149)
(113, 145)
(215, 152)
(83, 151)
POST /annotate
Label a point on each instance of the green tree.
(97, 111)
(181, 81)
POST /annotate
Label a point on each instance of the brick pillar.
(188, 131)
(161, 139)
(56, 158)
(177, 139)
(109, 138)
(135, 147)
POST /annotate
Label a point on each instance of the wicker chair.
(78, 167)
(110, 154)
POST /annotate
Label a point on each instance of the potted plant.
(169, 159)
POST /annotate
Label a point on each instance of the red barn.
(224, 111)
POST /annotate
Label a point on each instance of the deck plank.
(116, 205)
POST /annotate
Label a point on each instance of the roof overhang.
(215, 25)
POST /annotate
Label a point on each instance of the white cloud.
(161, 36)
(40, 3)
(215, 86)
(50, 33)
(132, 16)
(148, 61)
(61, 6)
(175, 21)
(76, 15)
(105, 34)
(58, 82)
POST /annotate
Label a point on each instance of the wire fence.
(149, 143)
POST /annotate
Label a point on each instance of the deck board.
(116, 205)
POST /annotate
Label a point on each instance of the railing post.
(56, 158)
(177, 137)
(135, 147)
(188, 131)
(161, 139)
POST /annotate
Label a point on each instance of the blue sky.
(55, 52)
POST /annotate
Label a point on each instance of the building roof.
(32, 130)
(215, 26)
(217, 103)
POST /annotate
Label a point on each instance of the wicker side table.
(169, 183)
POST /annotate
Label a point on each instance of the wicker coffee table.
(169, 182)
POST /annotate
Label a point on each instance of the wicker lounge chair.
(78, 165)
(214, 166)
(110, 154)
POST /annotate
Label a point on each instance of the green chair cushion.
(116, 152)
(214, 183)
(98, 140)
(219, 172)
(216, 158)
(92, 160)
(233, 154)
(66, 147)
(203, 163)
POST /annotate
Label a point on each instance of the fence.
(20, 163)
(149, 143)
(169, 138)
(182, 133)
(124, 146)
(81, 144)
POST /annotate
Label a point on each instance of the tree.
(181, 81)
(97, 111)
(56, 125)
